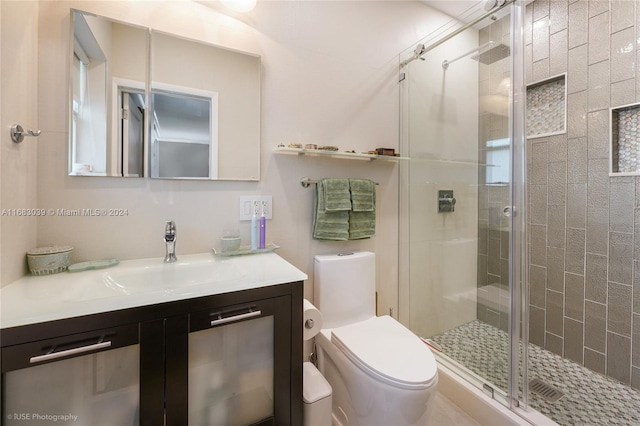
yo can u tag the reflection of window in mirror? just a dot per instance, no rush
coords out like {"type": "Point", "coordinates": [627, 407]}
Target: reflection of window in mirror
{"type": "Point", "coordinates": [88, 102]}
{"type": "Point", "coordinates": [184, 137]}
{"type": "Point", "coordinates": [498, 153]}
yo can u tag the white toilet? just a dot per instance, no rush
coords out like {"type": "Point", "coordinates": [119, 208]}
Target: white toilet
{"type": "Point", "coordinates": [380, 372]}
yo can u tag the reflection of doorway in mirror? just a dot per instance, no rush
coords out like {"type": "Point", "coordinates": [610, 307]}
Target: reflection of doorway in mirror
{"type": "Point", "coordinates": [126, 157]}
{"type": "Point", "coordinates": [132, 125]}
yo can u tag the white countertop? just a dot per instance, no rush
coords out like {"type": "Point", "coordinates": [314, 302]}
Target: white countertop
{"type": "Point", "coordinates": [135, 283]}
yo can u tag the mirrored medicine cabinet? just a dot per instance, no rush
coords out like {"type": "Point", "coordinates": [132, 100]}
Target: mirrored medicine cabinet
{"type": "Point", "coordinates": [148, 103]}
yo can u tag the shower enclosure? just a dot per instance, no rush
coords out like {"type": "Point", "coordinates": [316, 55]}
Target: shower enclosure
{"type": "Point", "coordinates": [511, 269]}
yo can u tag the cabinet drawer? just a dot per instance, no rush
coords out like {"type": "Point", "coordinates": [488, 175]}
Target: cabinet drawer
{"type": "Point", "coordinates": [56, 349]}
{"type": "Point", "coordinates": [217, 317]}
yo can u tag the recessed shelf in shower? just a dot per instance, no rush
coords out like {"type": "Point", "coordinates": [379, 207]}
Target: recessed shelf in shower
{"type": "Point", "coordinates": [625, 140]}
{"type": "Point", "coordinates": [547, 107]}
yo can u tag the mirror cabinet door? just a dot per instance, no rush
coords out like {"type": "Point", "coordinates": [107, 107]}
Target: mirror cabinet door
{"type": "Point", "coordinates": [147, 103]}
{"type": "Point", "coordinates": [206, 103]}
{"type": "Point", "coordinates": [108, 103]}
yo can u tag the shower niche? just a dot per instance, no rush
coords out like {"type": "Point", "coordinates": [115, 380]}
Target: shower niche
{"type": "Point", "coordinates": [624, 131]}
{"type": "Point", "coordinates": [547, 107]}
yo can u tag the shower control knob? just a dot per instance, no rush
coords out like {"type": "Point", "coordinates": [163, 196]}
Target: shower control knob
{"type": "Point", "coordinates": [446, 201]}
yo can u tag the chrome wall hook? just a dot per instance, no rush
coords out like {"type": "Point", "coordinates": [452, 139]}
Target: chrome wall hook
{"type": "Point", "coordinates": [18, 133]}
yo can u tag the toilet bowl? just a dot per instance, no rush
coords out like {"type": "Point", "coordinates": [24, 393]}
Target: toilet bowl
{"type": "Point", "coordinates": [380, 372]}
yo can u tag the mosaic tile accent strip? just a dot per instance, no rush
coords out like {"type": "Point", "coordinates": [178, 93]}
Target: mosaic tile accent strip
{"type": "Point", "coordinates": [626, 129]}
{"type": "Point", "coordinates": [590, 398]}
{"type": "Point", "coordinates": [546, 108]}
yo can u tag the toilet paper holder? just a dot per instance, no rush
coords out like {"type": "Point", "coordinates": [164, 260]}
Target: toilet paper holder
{"type": "Point", "coordinates": [312, 320]}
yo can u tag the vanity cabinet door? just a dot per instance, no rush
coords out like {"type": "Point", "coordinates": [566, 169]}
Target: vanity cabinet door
{"type": "Point", "coordinates": [89, 378]}
{"type": "Point", "coordinates": [239, 364]}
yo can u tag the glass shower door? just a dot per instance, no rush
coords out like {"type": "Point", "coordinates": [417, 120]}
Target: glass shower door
{"type": "Point", "coordinates": [458, 129]}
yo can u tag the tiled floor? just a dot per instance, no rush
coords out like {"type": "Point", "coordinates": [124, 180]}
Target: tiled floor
{"type": "Point", "coordinates": [590, 398]}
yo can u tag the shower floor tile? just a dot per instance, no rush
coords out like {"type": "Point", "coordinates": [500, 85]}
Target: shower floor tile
{"type": "Point", "coordinates": [589, 398]}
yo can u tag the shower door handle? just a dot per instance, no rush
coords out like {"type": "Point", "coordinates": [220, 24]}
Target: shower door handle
{"type": "Point", "coordinates": [509, 211]}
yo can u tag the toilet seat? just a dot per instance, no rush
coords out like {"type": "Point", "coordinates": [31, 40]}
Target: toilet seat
{"type": "Point", "coordinates": [386, 349]}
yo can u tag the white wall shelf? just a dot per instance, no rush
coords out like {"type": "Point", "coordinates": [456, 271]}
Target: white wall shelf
{"type": "Point", "coordinates": [337, 154]}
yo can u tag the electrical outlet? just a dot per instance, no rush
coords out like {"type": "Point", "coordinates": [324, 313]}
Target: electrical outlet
{"type": "Point", "coordinates": [247, 202]}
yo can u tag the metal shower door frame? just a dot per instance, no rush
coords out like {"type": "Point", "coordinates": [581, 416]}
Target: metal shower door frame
{"type": "Point", "coordinates": [518, 252]}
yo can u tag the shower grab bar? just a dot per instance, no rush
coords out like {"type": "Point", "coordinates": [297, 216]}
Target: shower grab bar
{"type": "Point", "coordinates": [424, 49]}
{"type": "Point", "coordinates": [306, 182]}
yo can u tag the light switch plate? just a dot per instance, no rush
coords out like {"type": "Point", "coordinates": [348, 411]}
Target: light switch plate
{"type": "Point", "coordinates": [247, 202]}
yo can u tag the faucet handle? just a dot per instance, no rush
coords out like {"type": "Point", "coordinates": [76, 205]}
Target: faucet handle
{"type": "Point", "coordinates": [170, 230]}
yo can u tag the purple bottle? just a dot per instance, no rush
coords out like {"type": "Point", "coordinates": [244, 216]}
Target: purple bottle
{"type": "Point", "coordinates": [263, 228]}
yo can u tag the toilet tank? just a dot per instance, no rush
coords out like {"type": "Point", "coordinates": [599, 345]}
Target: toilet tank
{"type": "Point", "coordinates": [345, 287]}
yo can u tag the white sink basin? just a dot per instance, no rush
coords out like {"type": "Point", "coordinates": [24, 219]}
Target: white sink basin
{"type": "Point", "coordinates": [170, 276]}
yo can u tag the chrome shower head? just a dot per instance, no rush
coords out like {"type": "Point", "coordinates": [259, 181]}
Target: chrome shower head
{"type": "Point", "coordinates": [487, 54]}
{"type": "Point", "coordinates": [493, 54]}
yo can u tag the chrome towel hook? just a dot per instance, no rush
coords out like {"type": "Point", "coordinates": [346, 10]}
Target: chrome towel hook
{"type": "Point", "coordinates": [18, 133]}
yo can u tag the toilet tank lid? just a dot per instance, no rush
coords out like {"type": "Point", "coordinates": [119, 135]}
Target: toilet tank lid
{"type": "Point", "coordinates": [314, 386]}
{"type": "Point", "coordinates": [342, 255]}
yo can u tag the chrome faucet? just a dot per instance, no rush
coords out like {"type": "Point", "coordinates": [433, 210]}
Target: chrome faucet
{"type": "Point", "coordinates": [170, 241]}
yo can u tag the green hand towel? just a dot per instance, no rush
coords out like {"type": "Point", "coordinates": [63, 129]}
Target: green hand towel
{"type": "Point", "coordinates": [362, 219]}
{"type": "Point", "coordinates": [363, 192]}
{"type": "Point", "coordinates": [336, 194]}
{"type": "Point", "coordinates": [328, 225]}
{"type": "Point", "coordinates": [362, 225]}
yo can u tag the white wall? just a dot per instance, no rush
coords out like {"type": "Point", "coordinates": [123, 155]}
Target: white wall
{"type": "Point", "coordinates": [19, 70]}
{"type": "Point", "coordinates": [329, 77]}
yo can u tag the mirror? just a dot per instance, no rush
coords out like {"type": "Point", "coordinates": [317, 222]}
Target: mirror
{"type": "Point", "coordinates": [108, 66]}
{"type": "Point", "coordinates": [194, 113]}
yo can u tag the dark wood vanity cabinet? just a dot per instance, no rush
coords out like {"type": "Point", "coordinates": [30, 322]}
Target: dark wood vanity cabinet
{"type": "Point", "coordinates": [157, 364]}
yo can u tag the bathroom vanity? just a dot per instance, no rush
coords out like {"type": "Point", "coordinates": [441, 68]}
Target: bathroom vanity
{"type": "Point", "coordinates": [205, 340]}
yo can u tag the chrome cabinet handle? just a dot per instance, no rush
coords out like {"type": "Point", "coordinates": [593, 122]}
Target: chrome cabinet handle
{"type": "Point", "coordinates": [74, 351]}
{"type": "Point", "coordinates": [235, 318]}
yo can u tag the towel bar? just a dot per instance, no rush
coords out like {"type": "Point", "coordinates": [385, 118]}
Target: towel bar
{"type": "Point", "coordinates": [306, 182]}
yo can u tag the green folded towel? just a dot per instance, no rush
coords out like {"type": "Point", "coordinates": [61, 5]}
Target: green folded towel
{"type": "Point", "coordinates": [363, 193]}
{"type": "Point", "coordinates": [362, 225]}
{"type": "Point", "coordinates": [337, 196]}
{"type": "Point", "coordinates": [328, 225]}
{"type": "Point", "coordinates": [362, 219]}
